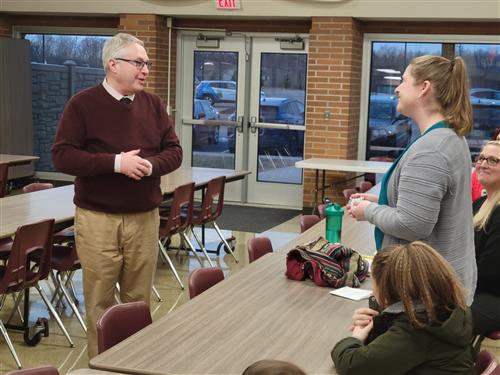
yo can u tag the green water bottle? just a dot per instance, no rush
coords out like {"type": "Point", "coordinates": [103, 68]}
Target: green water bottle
{"type": "Point", "coordinates": [334, 213]}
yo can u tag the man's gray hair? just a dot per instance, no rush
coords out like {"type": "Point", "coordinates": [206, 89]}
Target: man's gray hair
{"type": "Point", "coordinates": [113, 47]}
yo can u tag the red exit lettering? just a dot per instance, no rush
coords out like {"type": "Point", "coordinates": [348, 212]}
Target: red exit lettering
{"type": "Point", "coordinates": [228, 4]}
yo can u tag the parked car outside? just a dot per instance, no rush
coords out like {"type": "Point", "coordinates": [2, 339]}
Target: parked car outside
{"type": "Point", "coordinates": [282, 110]}
{"type": "Point", "coordinates": [387, 127]}
{"type": "Point", "coordinates": [484, 96]}
{"type": "Point", "coordinates": [216, 91]}
{"type": "Point", "coordinates": [204, 134]}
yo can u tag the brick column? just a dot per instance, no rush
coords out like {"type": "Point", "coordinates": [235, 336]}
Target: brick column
{"type": "Point", "coordinates": [5, 27]}
{"type": "Point", "coordinates": [153, 31]}
{"type": "Point", "coordinates": [334, 83]}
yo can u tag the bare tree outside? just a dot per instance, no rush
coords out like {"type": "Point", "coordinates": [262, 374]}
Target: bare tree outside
{"type": "Point", "coordinates": [84, 50]}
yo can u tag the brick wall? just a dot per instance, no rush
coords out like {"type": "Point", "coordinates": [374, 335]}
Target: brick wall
{"type": "Point", "coordinates": [334, 81]}
{"type": "Point", "coordinates": [153, 31]}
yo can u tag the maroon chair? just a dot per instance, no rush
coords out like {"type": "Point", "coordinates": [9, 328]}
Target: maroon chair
{"type": "Point", "coordinates": [321, 210]}
{"type": "Point", "coordinates": [121, 321]}
{"type": "Point", "coordinates": [48, 370]}
{"type": "Point", "coordinates": [65, 261]}
{"type": "Point", "coordinates": [210, 210]}
{"type": "Point", "coordinates": [31, 241]}
{"type": "Point", "coordinates": [307, 221]}
{"type": "Point", "coordinates": [178, 220]}
{"type": "Point", "coordinates": [257, 247]}
{"type": "Point", "coordinates": [486, 364]}
{"type": "Point", "coordinates": [4, 171]}
{"type": "Point", "coordinates": [200, 279]}
{"type": "Point", "coordinates": [364, 186]}
{"type": "Point", "coordinates": [37, 186]}
{"type": "Point", "coordinates": [348, 192]}
{"type": "Point", "coordinates": [478, 340]}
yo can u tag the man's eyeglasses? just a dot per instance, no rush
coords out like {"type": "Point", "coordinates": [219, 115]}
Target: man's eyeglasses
{"type": "Point", "coordinates": [139, 64]}
{"type": "Point", "coordinates": [491, 161]}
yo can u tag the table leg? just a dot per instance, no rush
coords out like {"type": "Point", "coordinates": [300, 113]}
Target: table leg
{"type": "Point", "coordinates": [316, 193]}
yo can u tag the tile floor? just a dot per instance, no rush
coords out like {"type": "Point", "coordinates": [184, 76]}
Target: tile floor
{"type": "Point", "coordinates": [54, 350]}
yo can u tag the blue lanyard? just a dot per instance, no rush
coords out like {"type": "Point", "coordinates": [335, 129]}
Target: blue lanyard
{"type": "Point", "coordinates": [382, 198]}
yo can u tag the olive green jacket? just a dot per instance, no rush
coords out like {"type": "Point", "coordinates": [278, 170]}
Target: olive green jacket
{"type": "Point", "coordinates": [403, 349]}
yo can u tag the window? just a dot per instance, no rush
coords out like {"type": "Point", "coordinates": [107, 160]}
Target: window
{"type": "Point", "coordinates": [61, 65]}
{"type": "Point", "coordinates": [388, 132]}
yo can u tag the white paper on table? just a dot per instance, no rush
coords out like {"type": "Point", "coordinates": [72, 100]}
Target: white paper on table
{"type": "Point", "coordinates": [355, 294]}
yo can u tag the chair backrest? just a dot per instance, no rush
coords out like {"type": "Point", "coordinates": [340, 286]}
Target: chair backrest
{"type": "Point", "coordinates": [30, 239]}
{"type": "Point", "coordinates": [213, 201]}
{"type": "Point", "coordinates": [257, 247]}
{"type": "Point", "coordinates": [321, 210]}
{"type": "Point", "coordinates": [307, 221]}
{"type": "Point", "coordinates": [364, 186]}
{"type": "Point", "coordinates": [201, 279]}
{"type": "Point", "coordinates": [486, 364]}
{"type": "Point", "coordinates": [48, 370]}
{"type": "Point", "coordinates": [181, 211]}
{"type": "Point", "coordinates": [37, 186]}
{"type": "Point", "coordinates": [495, 335]}
{"type": "Point", "coordinates": [348, 192]}
{"type": "Point", "coordinates": [4, 171]}
{"type": "Point", "coordinates": [121, 321]}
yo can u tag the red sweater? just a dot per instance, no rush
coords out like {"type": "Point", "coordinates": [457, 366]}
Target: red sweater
{"type": "Point", "coordinates": [94, 127]}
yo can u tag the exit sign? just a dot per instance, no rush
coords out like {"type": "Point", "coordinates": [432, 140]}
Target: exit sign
{"type": "Point", "coordinates": [228, 4]}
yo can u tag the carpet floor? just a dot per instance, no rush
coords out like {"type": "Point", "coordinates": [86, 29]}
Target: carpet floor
{"type": "Point", "coordinates": [253, 219]}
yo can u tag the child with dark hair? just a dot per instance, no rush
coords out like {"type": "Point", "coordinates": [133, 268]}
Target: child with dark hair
{"type": "Point", "coordinates": [424, 326]}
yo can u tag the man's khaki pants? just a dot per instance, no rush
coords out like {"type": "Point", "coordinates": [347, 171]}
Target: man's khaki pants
{"type": "Point", "coordinates": [115, 248]}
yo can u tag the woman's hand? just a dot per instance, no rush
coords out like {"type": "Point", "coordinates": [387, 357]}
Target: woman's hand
{"type": "Point", "coordinates": [361, 333]}
{"type": "Point", "coordinates": [357, 209]}
{"type": "Point", "coordinates": [362, 317]}
{"type": "Point", "coordinates": [366, 197]}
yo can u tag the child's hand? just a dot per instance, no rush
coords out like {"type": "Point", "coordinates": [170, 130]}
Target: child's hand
{"type": "Point", "coordinates": [361, 333]}
{"type": "Point", "coordinates": [362, 317]}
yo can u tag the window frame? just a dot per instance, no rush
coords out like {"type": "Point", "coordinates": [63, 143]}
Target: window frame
{"type": "Point", "coordinates": [368, 38]}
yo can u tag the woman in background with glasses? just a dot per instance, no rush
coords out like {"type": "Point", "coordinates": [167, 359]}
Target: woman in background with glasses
{"type": "Point", "coordinates": [486, 305]}
{"type": "Point", "coordinates": [477, 188]}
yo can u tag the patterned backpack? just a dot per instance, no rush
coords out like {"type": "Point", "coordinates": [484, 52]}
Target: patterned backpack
{"type": "Point", "coordinates": [326, 264]}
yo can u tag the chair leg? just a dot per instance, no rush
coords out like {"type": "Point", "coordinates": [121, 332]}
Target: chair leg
{"type": "Point", "coordinates": [224, 241]}
{"type": "Point", "coordinates": [9, 344]}
{"type": "Point", "coordinates": [17, 302]}
{"type": "Point", "coordinates": [172, 267]}
{"type": "Point", "coordinates": [70, 301]}
{"type": "Point", "coordinates": [54, 314]}
{"type": "Point", "coordinates": [155, 292]}
{"type": "Point", "coordinates": [183, 235]}
{"type": "Point", "coordinates": [202, 247]}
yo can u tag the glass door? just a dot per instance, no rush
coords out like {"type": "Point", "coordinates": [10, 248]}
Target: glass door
{"type": "Point", "coordinates": [242, 107]}
{"type": "Point", "coordinates": [277, 120]}
{"type": "Point", "coordinates": [212, 76]}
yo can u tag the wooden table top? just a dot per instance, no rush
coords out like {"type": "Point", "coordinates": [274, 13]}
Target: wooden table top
{"type": "Point", "coordinates": [17, 159]}
{"type": "Point", "coordinates": [255, 314]}
{"type": "Point", "coordinates": [200, 176]}
{"type": "Point", "coordinates": [57, 203]}
{"type": "Point", "coordinates": [341, 165]}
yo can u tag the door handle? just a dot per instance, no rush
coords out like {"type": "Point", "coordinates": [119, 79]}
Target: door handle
{"type": "Point", "coordinates": [251, 124]}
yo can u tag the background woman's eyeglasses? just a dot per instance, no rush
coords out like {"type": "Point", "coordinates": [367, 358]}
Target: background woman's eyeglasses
{"type": "Point", "coordinates": [491, 161]}
{"type": "Point", "coordinates": [139, 64]}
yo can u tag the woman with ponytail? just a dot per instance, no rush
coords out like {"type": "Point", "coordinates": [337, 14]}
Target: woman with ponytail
{"type": "Point", "coordinates": [486, 306]}
{"type": "Point", "coordinates": [425, 195]}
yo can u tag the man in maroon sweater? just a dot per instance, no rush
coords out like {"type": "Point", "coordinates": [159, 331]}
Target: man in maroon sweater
{"type": "Point", "coordinates": [118, 141]}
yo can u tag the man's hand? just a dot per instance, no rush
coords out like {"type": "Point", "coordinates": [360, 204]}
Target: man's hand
{"type": "Point", "coordinates": [134, 166]}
